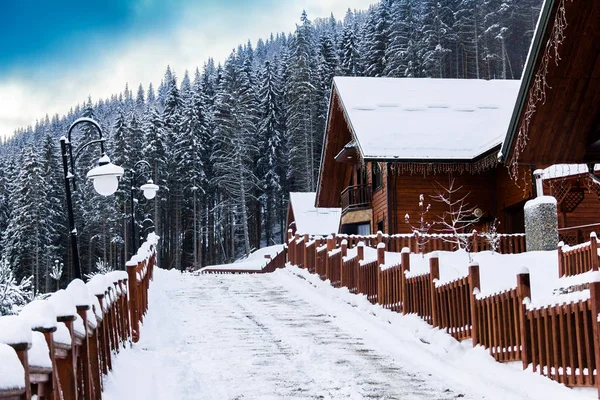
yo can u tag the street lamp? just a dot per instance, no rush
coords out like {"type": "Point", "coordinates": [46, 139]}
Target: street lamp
{"type": "Point", "coordinates": [149, 190]}
{"type": "Point", "coordinates": [105, 178]}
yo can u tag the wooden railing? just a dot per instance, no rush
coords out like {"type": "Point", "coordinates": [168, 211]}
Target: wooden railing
{"type": "Point", "coordinates": [561, 341]}
{"type": "Point", "coordinates": [506, 243]}
{"type": "Point", "coordinates": [276, 262]}
{"type": "Point", "coordinates": [356, 197]}
{"type": "Point", "coordinates": [578, 259]}
{"type": "Point", "coordinates": [577, 234]}
{"type": "Point", "coordinates": [498, 321]}
{"type": "Point", "coordinates": [75, 333]}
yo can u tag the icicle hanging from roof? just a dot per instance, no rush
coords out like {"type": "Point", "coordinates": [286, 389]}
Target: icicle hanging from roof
{"type": "Point", "coordinates": [537, 92]}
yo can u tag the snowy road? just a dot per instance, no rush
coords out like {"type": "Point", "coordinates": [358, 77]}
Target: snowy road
{"type": "Point", "coordinates": [276, 336]}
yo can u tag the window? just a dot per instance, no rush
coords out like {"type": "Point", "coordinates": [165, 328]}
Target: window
{"type": "Point", "coordinates": [376, 178]}
{"type": "Point", "coordinates": [364, 229]}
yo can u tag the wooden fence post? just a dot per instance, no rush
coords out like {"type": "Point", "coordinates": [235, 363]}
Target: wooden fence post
{"type": "Point", "coordinates": [434, 274]}
{"type": "Point", "coordinates": [474, 283]}
{"type": "Point", "coordinates": [475, 242]}
{"type": "Point", "coordinates": [330, 246]}
{"type": "Point", "coordinates": [86, 371]}
{"type": "Point", "coordinates": [561, 260]}
{"type": "Point", "coordinates": [360, 251]}
{"type": "Point", "coordinates": [594, 251]}
{"type": "Point", "coordinates": [133, 303]}
{"type": "Point", "coordinates": [524, 292]}
{"type": "Point", "coordinates": [379, 275]}
{"type": "Point", "coordinates": [405, 262]}
{"type": "Point", "coordinates": [304, 252]}
{"type": "Point", "coordinates": [595, 308]}
{"type": "Point", "coordinates": [344, 254]}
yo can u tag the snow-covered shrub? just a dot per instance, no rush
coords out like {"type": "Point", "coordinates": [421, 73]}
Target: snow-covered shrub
{"type": "Point", "coordinates": [56, 272]}
{"type": "Point", "coordinates": [13, 295]}
{"type": "Point", "coordinates": [421, 231]}
{"type": "Point", "coordinates": [458, 216]}
{"type": "Point", "coordinates": [102, 268]}
{"type": "Point", "coordinates": [492, 236]}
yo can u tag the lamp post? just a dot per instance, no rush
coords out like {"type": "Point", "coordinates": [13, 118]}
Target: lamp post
{"type": "Point", "coordinates": [149, 189]}
{"type": "Point", "coordinates": [105, 178]}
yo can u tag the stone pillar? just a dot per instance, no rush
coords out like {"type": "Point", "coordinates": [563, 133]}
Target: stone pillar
{"type": "Point", "coordinates": [541, 223]}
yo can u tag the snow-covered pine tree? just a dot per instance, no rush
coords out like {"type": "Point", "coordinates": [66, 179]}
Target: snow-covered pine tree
{"type": "Point", "coordinates": [437, 36]}
{"type": "Point", "coordinates": [14, 294]}
{"type": "Point", "coordinates": [301, 93]}
{"type": "Point", "coordinates": [377, 38]}
{"type": "Point", "coordinates": [270, 142]}
{"type": "Point", "coordinates": [22, 240]}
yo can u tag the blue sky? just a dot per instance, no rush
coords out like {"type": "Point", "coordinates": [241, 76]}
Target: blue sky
{"type": "Point", "coordinates": [53, 54]}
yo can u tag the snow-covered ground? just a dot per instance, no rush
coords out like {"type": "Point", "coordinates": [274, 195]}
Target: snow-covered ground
{"type": "Point", "coordinates": [290, 335]}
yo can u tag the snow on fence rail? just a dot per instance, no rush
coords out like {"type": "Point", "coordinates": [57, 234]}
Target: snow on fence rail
{"type": "Point", "coordinates": [560, 340]}
{"type": "Point", "coordinates": [60, 347]}
{"type": "Point", "coordinates": [578, 259]}
{"type": "Point", "coordinates": [504, 243]}
{"type": "Point", "coordinates": [271, 258]}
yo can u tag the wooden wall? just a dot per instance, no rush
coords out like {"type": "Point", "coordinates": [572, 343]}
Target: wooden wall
{"type": "Point", "coordinates": [480, 190]}
{"type": "Point", "coordinates": [380, 198]}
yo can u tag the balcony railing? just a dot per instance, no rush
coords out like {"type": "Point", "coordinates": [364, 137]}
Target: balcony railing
{"type": "Point", "coordinates": [354, 197]}
{"type": "Point", "coordinates": [577, 234]}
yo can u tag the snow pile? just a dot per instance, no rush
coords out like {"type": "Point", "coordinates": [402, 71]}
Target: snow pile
{"type": "Point", "coordinates": [78, 327]}
{"type": "Point", "coordinates": [540, 200]}
{"type": "Point", "coordinates": [63, 304]}
{"type": "Point", "coordinates": [39, 314]}
{"type": "Point", "coordinates": [98, 285]}
{"type": "Point", "coordinates": [12, 373]}
{"type": "Point", "coordinates": [14, 330]}
{"type": "Point", "coordinates": [62, 334]}
{"type": "Point", "coordinates": [79, 293]}
{"type": "Point", "coordinates": [39, 354]}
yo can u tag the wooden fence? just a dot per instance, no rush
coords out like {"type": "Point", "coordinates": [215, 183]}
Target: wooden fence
{"type": "Point", "coordinates": [506, 243]}
{"type": "Point", "coordinates": [578, 259]}
{"type": "Point", "coordinates": [75, 333]}
{"type": "Point", "coordinates": [560, 341]}
{"type": "Point", "coordinates": [271, 264]}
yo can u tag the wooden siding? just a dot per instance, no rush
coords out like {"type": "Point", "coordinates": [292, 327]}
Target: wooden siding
{"type": "Point", "coordinates": [480, 188]}
{"type": "Point", "coordinates": [379, 202]}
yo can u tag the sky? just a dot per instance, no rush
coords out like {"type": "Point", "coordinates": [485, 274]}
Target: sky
{"type": "Point", "coordinates": [54, 54]}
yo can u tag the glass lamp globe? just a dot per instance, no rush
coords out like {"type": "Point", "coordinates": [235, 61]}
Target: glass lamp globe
{"type": "Point", "coordinates": [105, 176]}
{"type": "Point", "coordinates": [149, 189]}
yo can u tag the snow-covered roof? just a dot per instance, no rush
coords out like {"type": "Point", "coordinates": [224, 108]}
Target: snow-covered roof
{"type": "Point", "coordinates": [312, 220]}
{"type": "Point", "coordinates": [422, 118]}
{"type": "Point", "coordinates": [564, 170]}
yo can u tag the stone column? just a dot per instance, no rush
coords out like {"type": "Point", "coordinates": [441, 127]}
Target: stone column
{"type": "Point", "coordinates": [541, 224]}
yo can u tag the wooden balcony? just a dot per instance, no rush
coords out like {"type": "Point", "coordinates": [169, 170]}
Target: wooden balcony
{"type": "Point", "coordinates": [577, 234]}
{"type": "Point", "coordinates": [356, 197]}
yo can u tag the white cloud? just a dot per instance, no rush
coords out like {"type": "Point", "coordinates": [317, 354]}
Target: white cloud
{"type": "Point", "coordinates": [200, 34]}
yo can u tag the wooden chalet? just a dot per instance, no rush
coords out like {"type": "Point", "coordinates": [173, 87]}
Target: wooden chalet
{"type": "Point", "coordinates": [556, 119]}
{"type": "Point", "coordinates": [388, 140]}
{"type": "Point", "coordinates": [303, 217]}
